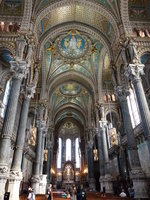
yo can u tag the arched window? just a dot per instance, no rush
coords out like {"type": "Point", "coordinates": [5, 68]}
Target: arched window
{"type": "Point", "coordinates": [77, 153]}
{"type": "Point", "coordinates": [133, 108]}
{"type": "Point", "coordinates": [5, 98]}
{"type": "Point", "coordinates": [68, 149]}
{"type": "Point", "coordinates": [59, 154]}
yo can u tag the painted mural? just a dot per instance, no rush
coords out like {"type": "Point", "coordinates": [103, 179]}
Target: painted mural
{"type": "Point", "coordinates": [70, 89]}
{"type": "Point", "coordinates": [139, 10]}
{"type": "Point", "coordinates": [73, 45]}
{"type": "Point", "coordinates": [10, 7]}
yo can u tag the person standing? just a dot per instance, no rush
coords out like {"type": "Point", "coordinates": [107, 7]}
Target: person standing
{"type": "Point", "coordinates": [31, 195]}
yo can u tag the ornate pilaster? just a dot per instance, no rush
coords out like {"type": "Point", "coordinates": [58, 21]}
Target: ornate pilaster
{"type": "Point", "coordinates": [134, 72]}
{"type": "Point", "coordinates": [15, 172]}
{"type": "Point", "coordinates": [122, 94]}
{"type": "Point", "coordinates": [105, 181]}
{"type": "Point", "coordinates": [19, 71]}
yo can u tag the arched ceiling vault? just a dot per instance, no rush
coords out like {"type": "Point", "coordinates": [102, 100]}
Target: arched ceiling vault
{"type": "Point", "coordinates": [70, 109]}
{"type": "Point", "coordinates": [59, 125]}
{"type": "Point", "coordinates": [83, 28]}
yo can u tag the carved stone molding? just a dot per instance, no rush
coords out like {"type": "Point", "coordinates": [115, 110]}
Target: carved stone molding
{"type": "Point", "coordinates": [25, 25]}
{"type": "Point", "coordinates": [125, 18]}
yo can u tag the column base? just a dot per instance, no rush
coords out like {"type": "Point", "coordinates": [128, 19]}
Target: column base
{"type": "Point", "coordinates": [101, 181]}
{"type": "Point", "coordinates": [108, 183]}
{"type": "Point", "coordinates": [92, 184]}
{"type": "Point", "coordinates": [43, 183]}
{"type": "Point", "coordinates": [139, 183]}
{"type": "Point", "coordinates": [14, 184]}
{"type": "Point", "coordinates": [35, 183]}
{"type": "Point", "coordinates": [3, 179]}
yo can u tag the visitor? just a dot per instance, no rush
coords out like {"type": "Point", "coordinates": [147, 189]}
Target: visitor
{"type": "Point", "coordinates": [74, 193]}
{"type": "Point", "coordinates": [103, 192]}
{"type": "Point", "coordinates": [131, 192]}
{"type": "Point", "coordinates": [83, 195]}
{"type": "Point", "coordinates": [68, 194]}
{"type": "Point", "coordinates": [122, 194]}
{"type": "Point", "coordinates": [49, 191]}
{"type": "Point", "coordinates": [31, 195]}
{"type": "Point", "coordinates": [79, 193]}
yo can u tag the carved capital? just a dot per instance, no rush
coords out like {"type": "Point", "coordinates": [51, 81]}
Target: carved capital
{"type": "Point", "coordinates": [3, 170]}
{"type": "Point", "coordinates": [121, 93]}
{"type": "Point", "coordinates": [29, 92]}
{"type": "Point", "coordinates": [134, 71]}
{"type": "Point", "coordinates": [102, 124]}
{"type": "Point", "coordinates": [18, 69]}
{"type": "Point", "coordinates": [90, 144]}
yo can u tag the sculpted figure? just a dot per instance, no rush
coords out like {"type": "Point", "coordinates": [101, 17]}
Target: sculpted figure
{"type": "Point", "coordinates": [20, 46]}
{"type": "Point", "coordinates": [29, 54]}
{"type": "Point", "coordinates": [132, 52]}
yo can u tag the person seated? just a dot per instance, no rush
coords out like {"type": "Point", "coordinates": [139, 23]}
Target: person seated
{"type": "Point", "coordinates": [68, 195]}
{"type": "Point", "coordinates": [122, 194]}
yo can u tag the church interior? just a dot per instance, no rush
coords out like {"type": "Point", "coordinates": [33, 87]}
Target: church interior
{"type": "Point", "coordinates": [74, 96]}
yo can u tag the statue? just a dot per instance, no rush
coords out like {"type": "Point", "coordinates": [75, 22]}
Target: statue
{"type": "Point", "coordinates": [132, 52]}
{"type": "Point", "coordinates": [101, 109]}
{"type": "Point", "coordinates": [29, 55]}
{"type": "Point", "coordinates": [128, 52]}
{"type": "Point", "coordinates": [20, 46]}
{"type": "Point", "coordinates": [114, 75]}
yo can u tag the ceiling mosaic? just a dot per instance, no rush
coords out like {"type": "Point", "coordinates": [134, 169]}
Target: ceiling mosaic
{"type": "Point", "coordinates": [73, 45]}
{"type": "Point", "coordinates": [79, 14]}
{"type": "Point", "coordinates": [70, 93]}
{"type": "Point", "coordinates": [67, 114]}
{"type": "Point", "coordinates": [72, 52]}
{"type": "Point", "coordinates": [111, 5]}
{"type": "Point", "coordinates": [11, 7]}
{"type": "Point", "coordinates": [139, 10]}
{"type": "Point", "coordinates": [70, 89]}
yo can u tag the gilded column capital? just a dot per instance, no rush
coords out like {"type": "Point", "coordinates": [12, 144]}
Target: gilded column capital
{"type": "Point", "coordinates": [134, 72]}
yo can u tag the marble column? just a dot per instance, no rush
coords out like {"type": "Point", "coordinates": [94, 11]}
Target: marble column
{"type": "Point", "coordinates": [137, 175]}
{"type": "Point", "coordinates": [91, 165]}
{"type": "Point", "coordinates": [100, 158]}
{"type": "Point", "coordinates": [49, 161]}
{"type": "Point", "coordinates": [107, 181]}
{"type": "Point", "coordinates": [36, 172]}
{"type": "Point", "coordinates": [134, 72]}
{"type": "Point", "coordinates": [18, 70]}
{"type": "Point", "coordinates": [15, 172]}
{"type": "Point", "coordinates": [42, 151]}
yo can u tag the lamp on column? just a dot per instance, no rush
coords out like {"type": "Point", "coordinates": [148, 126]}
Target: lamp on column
{"type": "Point", "coordinates": [113, 137]}
{"type": "Point", "coordinates": [33, 130]}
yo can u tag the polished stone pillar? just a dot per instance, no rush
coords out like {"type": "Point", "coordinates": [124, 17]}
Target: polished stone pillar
{"type": "Point", "coordinates": [15, 172]}
{"type": "Point", "coordinates": [36, 171]}
{"type": "Point", "coordinates": [134, 72]}
{"type": "Point", "coordinates": [100, 158]}
{"type": "Point", "coordinates": [91, 165]}
{"type": "Point", "coordinates": [42, 151]}
{"type": "Point", "coordinates": [19, 71]}
{"type": "Point", "coordinates": [107, 181]}
{"type": "Point", "coordinates": [137, 175]}
{"type": "Point", "coordinates": [49, 161]}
